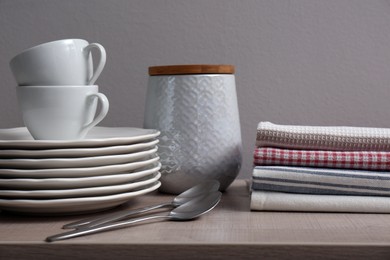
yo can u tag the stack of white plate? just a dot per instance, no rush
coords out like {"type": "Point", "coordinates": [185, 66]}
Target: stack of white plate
{"type": "Point", "coordinates": [109, 167]}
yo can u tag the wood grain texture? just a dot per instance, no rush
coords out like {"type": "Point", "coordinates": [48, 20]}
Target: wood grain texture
{"type": "Point", "coordinates": [191, 69]}
{"type": "Point", "coordinates": [231, 231]}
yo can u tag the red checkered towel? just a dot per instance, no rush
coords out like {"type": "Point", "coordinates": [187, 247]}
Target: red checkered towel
{"type": "Point", "coordinates": [364, 160]}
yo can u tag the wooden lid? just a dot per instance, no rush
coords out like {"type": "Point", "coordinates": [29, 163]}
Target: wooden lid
{"type": "Point", "coordinates": [191, 69]}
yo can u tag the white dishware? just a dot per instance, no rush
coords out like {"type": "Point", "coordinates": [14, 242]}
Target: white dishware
{"type": "Point", "coordinates": [76, 172]}
{"type": "Point", "coordinates": [80, 192]}
{"type": "Point", "coordinates": [61, 112]}
{"type": "Point", "coordinates": [78, 182]}
{"type": "Point", "coordinates": [57, 177]}
{"type": "Point", "coordinates": [61, 62]}
{"type": "Point", "coordinates": [55, 163]}
{"type": "Point", "coordinates": [20, 138]}
{"type": "Point", "coordinates": [72, 205]}
{"type": "Point", "coordinates": [76, 152]}
{"type": "Point", "coordinates": [195, 109]}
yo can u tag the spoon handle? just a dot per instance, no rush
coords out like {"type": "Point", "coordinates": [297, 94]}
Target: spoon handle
{"type": "Point", "coordinates": [105, 227]}
{"type": "Point", "coordinates": [124, 214]}
{"type": "Point", "coordinates": [95, 221]}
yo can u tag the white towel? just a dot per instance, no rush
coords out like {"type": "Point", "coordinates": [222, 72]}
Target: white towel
{"type": "Point", "coordinates": [278, 201]}
{"type": "Point", "coordinates": [344, 138]}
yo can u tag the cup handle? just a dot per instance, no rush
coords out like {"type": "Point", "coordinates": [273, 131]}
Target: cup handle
{"type": "Point", "coordinates": [101, 63]}
{"type": "Point", "coordinates": [103, 112]}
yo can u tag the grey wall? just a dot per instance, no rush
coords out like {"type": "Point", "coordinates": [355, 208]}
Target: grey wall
{"type": "Point", "coordinates": [310, 62]}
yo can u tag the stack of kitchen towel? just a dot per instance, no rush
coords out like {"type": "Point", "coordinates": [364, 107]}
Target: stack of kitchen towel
{"type": "Point", "coordinates": [321, 169]}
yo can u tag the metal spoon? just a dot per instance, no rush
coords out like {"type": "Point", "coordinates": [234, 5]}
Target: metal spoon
{"type": "Point", "coordinates": [187, 211]}
{"type": "Point", "coordinates": [196, 191]}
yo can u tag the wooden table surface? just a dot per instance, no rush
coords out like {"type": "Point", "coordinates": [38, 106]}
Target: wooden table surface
{"type": "Point", "coordinates": [230, 231]}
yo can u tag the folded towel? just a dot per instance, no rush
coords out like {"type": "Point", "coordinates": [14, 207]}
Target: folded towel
{"type": "Point", "coordinates": [323, 138]}
{"type": "Point", "coordinates": [320, 181]}
{"type": "Point", "coordinates": [363, 160]}
{"type": "Point", "coordinates": [278, 201]}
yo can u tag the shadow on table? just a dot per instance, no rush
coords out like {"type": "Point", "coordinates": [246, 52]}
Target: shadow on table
{"type": "Point", "coordinates": [236, 197]}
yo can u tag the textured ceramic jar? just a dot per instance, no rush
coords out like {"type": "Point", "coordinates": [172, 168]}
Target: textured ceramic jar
{"type": "Point", "coordinates": [195, 108]}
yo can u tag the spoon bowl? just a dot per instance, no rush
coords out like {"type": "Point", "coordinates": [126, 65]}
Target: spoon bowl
{"type": "Point", "coordinates": [196, 207]}
{"type": "Point", "coordinates": [196, 191]}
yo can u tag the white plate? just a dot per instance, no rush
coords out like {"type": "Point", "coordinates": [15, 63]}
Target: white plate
{"type": "Point", "coordinates": [72, 205]}
{"type": "Point", "coordinates": [77, 152]}
{"type": "Point", "coordinates": [55, 163]}
{"type": "Point", "coordinates": [73, 183]}
{"type": "Point", "coordinates": [76, 172]}
{"type": "Point", "coordinates": [84, 192]}
{"type": "Point", "coordinates": [98, 136]}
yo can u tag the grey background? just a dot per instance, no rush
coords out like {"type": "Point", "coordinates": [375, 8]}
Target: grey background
{"type": "Point", "coordinates": [308, 62]}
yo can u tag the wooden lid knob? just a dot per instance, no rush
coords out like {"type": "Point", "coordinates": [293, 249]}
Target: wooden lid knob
{"type": "Point", "coordinates": [191, 69]}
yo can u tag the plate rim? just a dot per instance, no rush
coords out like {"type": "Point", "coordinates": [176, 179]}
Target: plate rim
{"type": "Point", "coordinates": [47, 207]}
{"type": "Point", "coordinates": [46, 181]}
{"type": "Point", "coordinates": [75, 152]}
{"type": "Point", "coordinates": [46, 163]}
{"type": "Point", "coordinates": [77, 171]}
{"type": "Point", "coordinates": [93, 142]}
{"type": "Point", "coordinates": [82, 192]}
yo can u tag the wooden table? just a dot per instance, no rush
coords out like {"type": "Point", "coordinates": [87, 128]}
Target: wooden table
{"type": "Point", "coordinates": [230, 231]}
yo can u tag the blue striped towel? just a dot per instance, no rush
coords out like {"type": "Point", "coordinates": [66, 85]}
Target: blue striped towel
{"type": "Point", "coordinates": [322, 181]}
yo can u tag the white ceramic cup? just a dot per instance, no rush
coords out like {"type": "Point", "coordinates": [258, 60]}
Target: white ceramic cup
{"type": "Point", "coordinates": [61, 112]}
{"type": "Point", "coordinates": [62, 62]}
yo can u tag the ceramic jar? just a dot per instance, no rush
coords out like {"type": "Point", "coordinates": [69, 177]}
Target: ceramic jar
{"type": "Point", "coordinates": [195, 108]}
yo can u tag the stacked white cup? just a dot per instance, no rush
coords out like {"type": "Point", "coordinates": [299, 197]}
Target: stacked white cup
{"type": "Point", "coordinates": [56, 91]}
